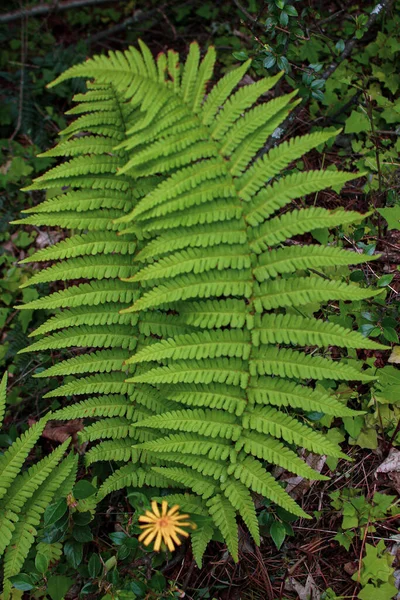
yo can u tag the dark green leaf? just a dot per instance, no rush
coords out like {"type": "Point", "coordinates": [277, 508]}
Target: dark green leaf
{"type": "Point", "coordinates": [283, 64]}
{"type": "Point", "coordinates": [158, 582]}
{"type": "Point", "coordinates": [291, 11]}
{"type": "Point", "coordinates": [390, 334]}
{"type": "Point", "coordinates": [94, 566]}
{"type": "Point", "coordinates": [55, 511]}
{"type": "Point", "coordinates": [22, 582]}
{"type": "Point", "coordinates": [269, 61]}
{"type": "Point", "coordinates": [242, 56]}
{"type": "Point", "coordinates": [118, 537]}
{"type": "Point", "coordinates": [74, 553]}
{"type": "Point", "coordinates": [83, 489]}
{"type": "Point", "coordinates": [82, 533]}
{"type": "Point", "coordinates": [284, 18]}
{"type": "Point", "coordinates": [41, 563]}
{"type": "Point", "coordinates": [58, 586]}
{"type": "Point", "coordinates": [278, 533]}
{"type": "Point", "coordinates": [82, 518]}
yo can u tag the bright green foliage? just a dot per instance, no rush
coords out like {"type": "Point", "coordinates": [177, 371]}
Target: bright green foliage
{"type": "Point", "coordinates": [24, 495]}
{"type": "Point", "coordinates": [188, 262]}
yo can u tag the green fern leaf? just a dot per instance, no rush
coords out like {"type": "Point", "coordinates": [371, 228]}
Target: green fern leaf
{"type": "Point", "coordinates": [103, 406]}
{"type": "Point", "coordinates": [293, 364]}
{"type": "Point", "coordinates": [223, 515]}
{"type": "Point", "coordinates": [203, 422]}
{"type": "Point", "coordinates": [302, 331]}
{"type": "Point", "coordinates": [278, 424]}
{"type": "Point", "coordinates": [254, 476]}
{"type": "Point", "coordinates": [280, 392]}
{"type": "Point", "coordinates": [13, 458]}
{"type": "Point", "coordinates": [289, 259]}
{"type": "Point", "coordinates": [3, 392]}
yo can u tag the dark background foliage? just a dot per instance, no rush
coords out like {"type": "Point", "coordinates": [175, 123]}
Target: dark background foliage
{"type": "Point", "coordinates": [345, 59]}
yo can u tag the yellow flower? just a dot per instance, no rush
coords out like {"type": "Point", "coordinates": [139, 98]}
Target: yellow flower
{"type": "Point", "coordinates": [163, 526]}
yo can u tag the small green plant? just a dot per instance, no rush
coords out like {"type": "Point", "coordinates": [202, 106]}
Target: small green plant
{"type": "Point", "coordinates": [359, 513]}
{"type": "Point", "coordinates": [376, 575]}
{"type": "Point", "coordinates": [25, 495]}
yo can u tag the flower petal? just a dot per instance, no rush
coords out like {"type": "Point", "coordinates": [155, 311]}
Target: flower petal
{"type": "Point", "coordinates": [157, 543]}
{"type": "Point", "coordinates": [155, 509]}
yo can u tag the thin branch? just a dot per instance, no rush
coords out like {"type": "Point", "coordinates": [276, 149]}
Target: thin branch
{"type": "Point", "coordinates": [22, 79]}
{"type": "Point", "coordinates": [379, 9]}
{"type": "Point", "coordinates": [44, 9]}
{"type": "Point", "coordinates": [138, 17]}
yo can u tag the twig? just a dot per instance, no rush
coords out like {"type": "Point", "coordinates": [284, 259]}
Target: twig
{"type": "Point", "coordinates": [22, 80]}
{"type": "Point", "coordinates": [138, 17]}
{"type": "Point", "coordinates": [379, 9]}
{"type": "Point", "coordinates": [247, 14]}
{"type": "Point", "coordinates": [43, 9]}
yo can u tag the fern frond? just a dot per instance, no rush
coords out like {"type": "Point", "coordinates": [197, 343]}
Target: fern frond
{"type": "Point", "coordinates": [274, 452]}
{"type": "Point", "coordinates": [303, 290]}
{"type": "Point", "coordinates": [206, 285]}
{"type": "Point", "coordinates": [280, 425]}
{"type": "Point", "coordinates": [85, 294]}
{"type": "Point", "coordinates": [22, 489]}
{"type": "Point", "coordinates": [240, 498]}
{"type": "Point", "coordinates": [193, 385]}
{"type": "Point", "coordinates": [119, 450]}
{"type": "Point", "coordinates": [83, 245]}
{"type": "Point", "coordinates": [293, 364]}
{"type": "Point", "coordinates": [223, 514]}
{"type": "Point", "coordinates": [215, 395]}
{"type": "Point", "coordinates": [289, 259]}
{"type": "Point", "coordinates": [200, 538]}
{"type": "Point", "coordinates": [91, 337]}
{"type": "Point", "coordinates": [211, 314]}
{"type": "Point", "coordinates": [278, 159]}
{"type": "Point", "coordinates": [203, 486]}
{"type": "Point", "coordinates": [229, 371]}
{"type": "Point", "coordinates": [86, 145]}
{"type": "Point", "coordinates": [85, 221]}
{"type": "Point", "coordinates": [113, 266]}
{"type": "Point", "coordinates": [101, 383]}
{"type": "Point", "coordinates": [113, 405]}
{"type": "Point", "coordinates": [82, 201]}
{"type": "Point", "coordinates": [254, 476]}
{"type": "Point", "coordinates": [96, 315]}
{"type": "Point", "coordinates": [290, 188]}
{"type": "Point", "coordinates": [95, 362]}
{"type": "Point", "coordinates": [281, 392]}
{"type": "Point", "coordinates": [197, 237]}
{"type": "Point", "coordinates": [189, 444]}
{"type": "Point", "coordinates": [132, 475]}
{"type": "Point", "coordinates": [195, 261]}
{"type": "Point", "coordinates": [197, 346]}
{"type": "Point", "coordinates": [203, 422]}
{"type": "Point", "coordinates": [303, 331]}
{"type": "Point", "coordinates": [13, 458]}
{"type": "Point", "coordinates": [3, 391]}
{"type": "Point", "coordinates": [279, 229]}
{"type": "Point", "coordinates": [25, 530]}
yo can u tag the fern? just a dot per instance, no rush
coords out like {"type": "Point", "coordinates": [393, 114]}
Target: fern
{"type": "Point", "coordinates": [26, 494]}
{"type": "Point", "coordinates": [201, 365]}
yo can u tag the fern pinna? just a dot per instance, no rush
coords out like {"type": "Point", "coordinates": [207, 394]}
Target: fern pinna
{"type": "Point", "coordinates": [201, 352]}
{"type": "Point", "coordinates": [24, 496]}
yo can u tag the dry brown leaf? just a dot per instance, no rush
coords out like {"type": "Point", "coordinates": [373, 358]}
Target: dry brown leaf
{"type": "Point", "coordinates": [58, 432]}
{"type": "Point", "coordinates": [395, 356]}
{"type": "Point", "coordinates": [309, 591]}
{"type": "Point", "coordinates": [391, 463]}
{"type": "Point", "coordinates": [391, 466]}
